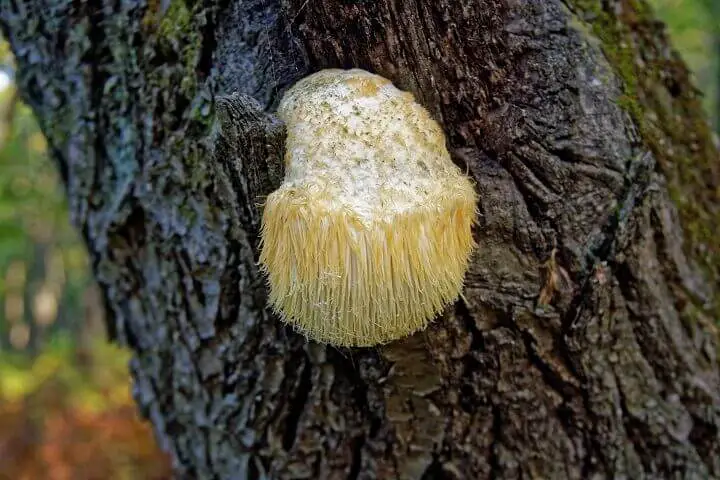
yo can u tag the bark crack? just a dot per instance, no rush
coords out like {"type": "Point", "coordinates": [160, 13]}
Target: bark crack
{"type": "Point", "coordinates": [296, 407]}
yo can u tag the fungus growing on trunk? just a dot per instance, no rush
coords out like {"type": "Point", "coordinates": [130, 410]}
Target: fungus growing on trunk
{"type": "Point", "coordinates": [369, 236]}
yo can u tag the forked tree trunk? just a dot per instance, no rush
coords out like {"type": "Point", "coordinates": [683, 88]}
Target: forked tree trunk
{"type": "Point", "coordinates": [584, 346]}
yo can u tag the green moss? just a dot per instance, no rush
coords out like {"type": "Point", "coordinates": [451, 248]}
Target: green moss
{"type": "Point", "coordinates": [176, 18]}
{"type": "Point", "coordinates": [660, 98]}
{"type": "Point", "coordinates": [612, 36]}
{"type": "Point", "coordinates": [176, 37]}
{"type": "Point", "coordinates": [630, 105]}
{"type": "Point", "coordinates": [178, 34]}
{"type": "Point", "coordinates": [179, 29]}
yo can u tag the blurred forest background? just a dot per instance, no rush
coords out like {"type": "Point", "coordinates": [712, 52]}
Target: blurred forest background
{"type": "Point", "coordinates": [66, 410]}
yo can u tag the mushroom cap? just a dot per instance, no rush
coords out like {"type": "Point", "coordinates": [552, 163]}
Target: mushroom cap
{"type": "Point", "coordinates": [369, 236]}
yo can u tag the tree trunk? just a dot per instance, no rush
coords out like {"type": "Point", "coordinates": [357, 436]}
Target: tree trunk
{"type": "Point", "coordinates": [713, 8]}
{"type": "Point", "coordinates": [585, 343]}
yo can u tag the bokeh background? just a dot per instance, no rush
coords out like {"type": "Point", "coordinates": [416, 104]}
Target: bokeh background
{"type": "Point", "coordinates": [66, 410]}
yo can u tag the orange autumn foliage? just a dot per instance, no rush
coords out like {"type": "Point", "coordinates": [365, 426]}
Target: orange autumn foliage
{"type": "Point", "coordinates": [49, 434]}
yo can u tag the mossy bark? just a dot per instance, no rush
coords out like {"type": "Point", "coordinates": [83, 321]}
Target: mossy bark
{"type": "Point", "coordinates": [585, 344]}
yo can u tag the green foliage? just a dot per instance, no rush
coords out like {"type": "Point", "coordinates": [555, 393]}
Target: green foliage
{"type": "Point", "coordinates": [66, 409]}
{"type": "Point", "coordinates": [694, 27]}
{"type": "Point", "coordinates": [42, 261]}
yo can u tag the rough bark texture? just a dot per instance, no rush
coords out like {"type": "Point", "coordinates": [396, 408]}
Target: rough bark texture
{"type": "Point", "coordinates": [585, 344]}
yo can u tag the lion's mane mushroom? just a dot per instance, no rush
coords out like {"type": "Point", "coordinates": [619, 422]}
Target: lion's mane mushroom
{"type": "Point", "coordinates": [369, 236]}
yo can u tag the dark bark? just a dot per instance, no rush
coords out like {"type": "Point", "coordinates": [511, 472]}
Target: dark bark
{"type": "Point", "coordinates": [713, 8]}
{"type": "Point", "coordinates": [585, 345]}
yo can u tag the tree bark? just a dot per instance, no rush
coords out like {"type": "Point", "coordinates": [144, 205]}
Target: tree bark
{"type": "Point", "coordinates": [585, 344]}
